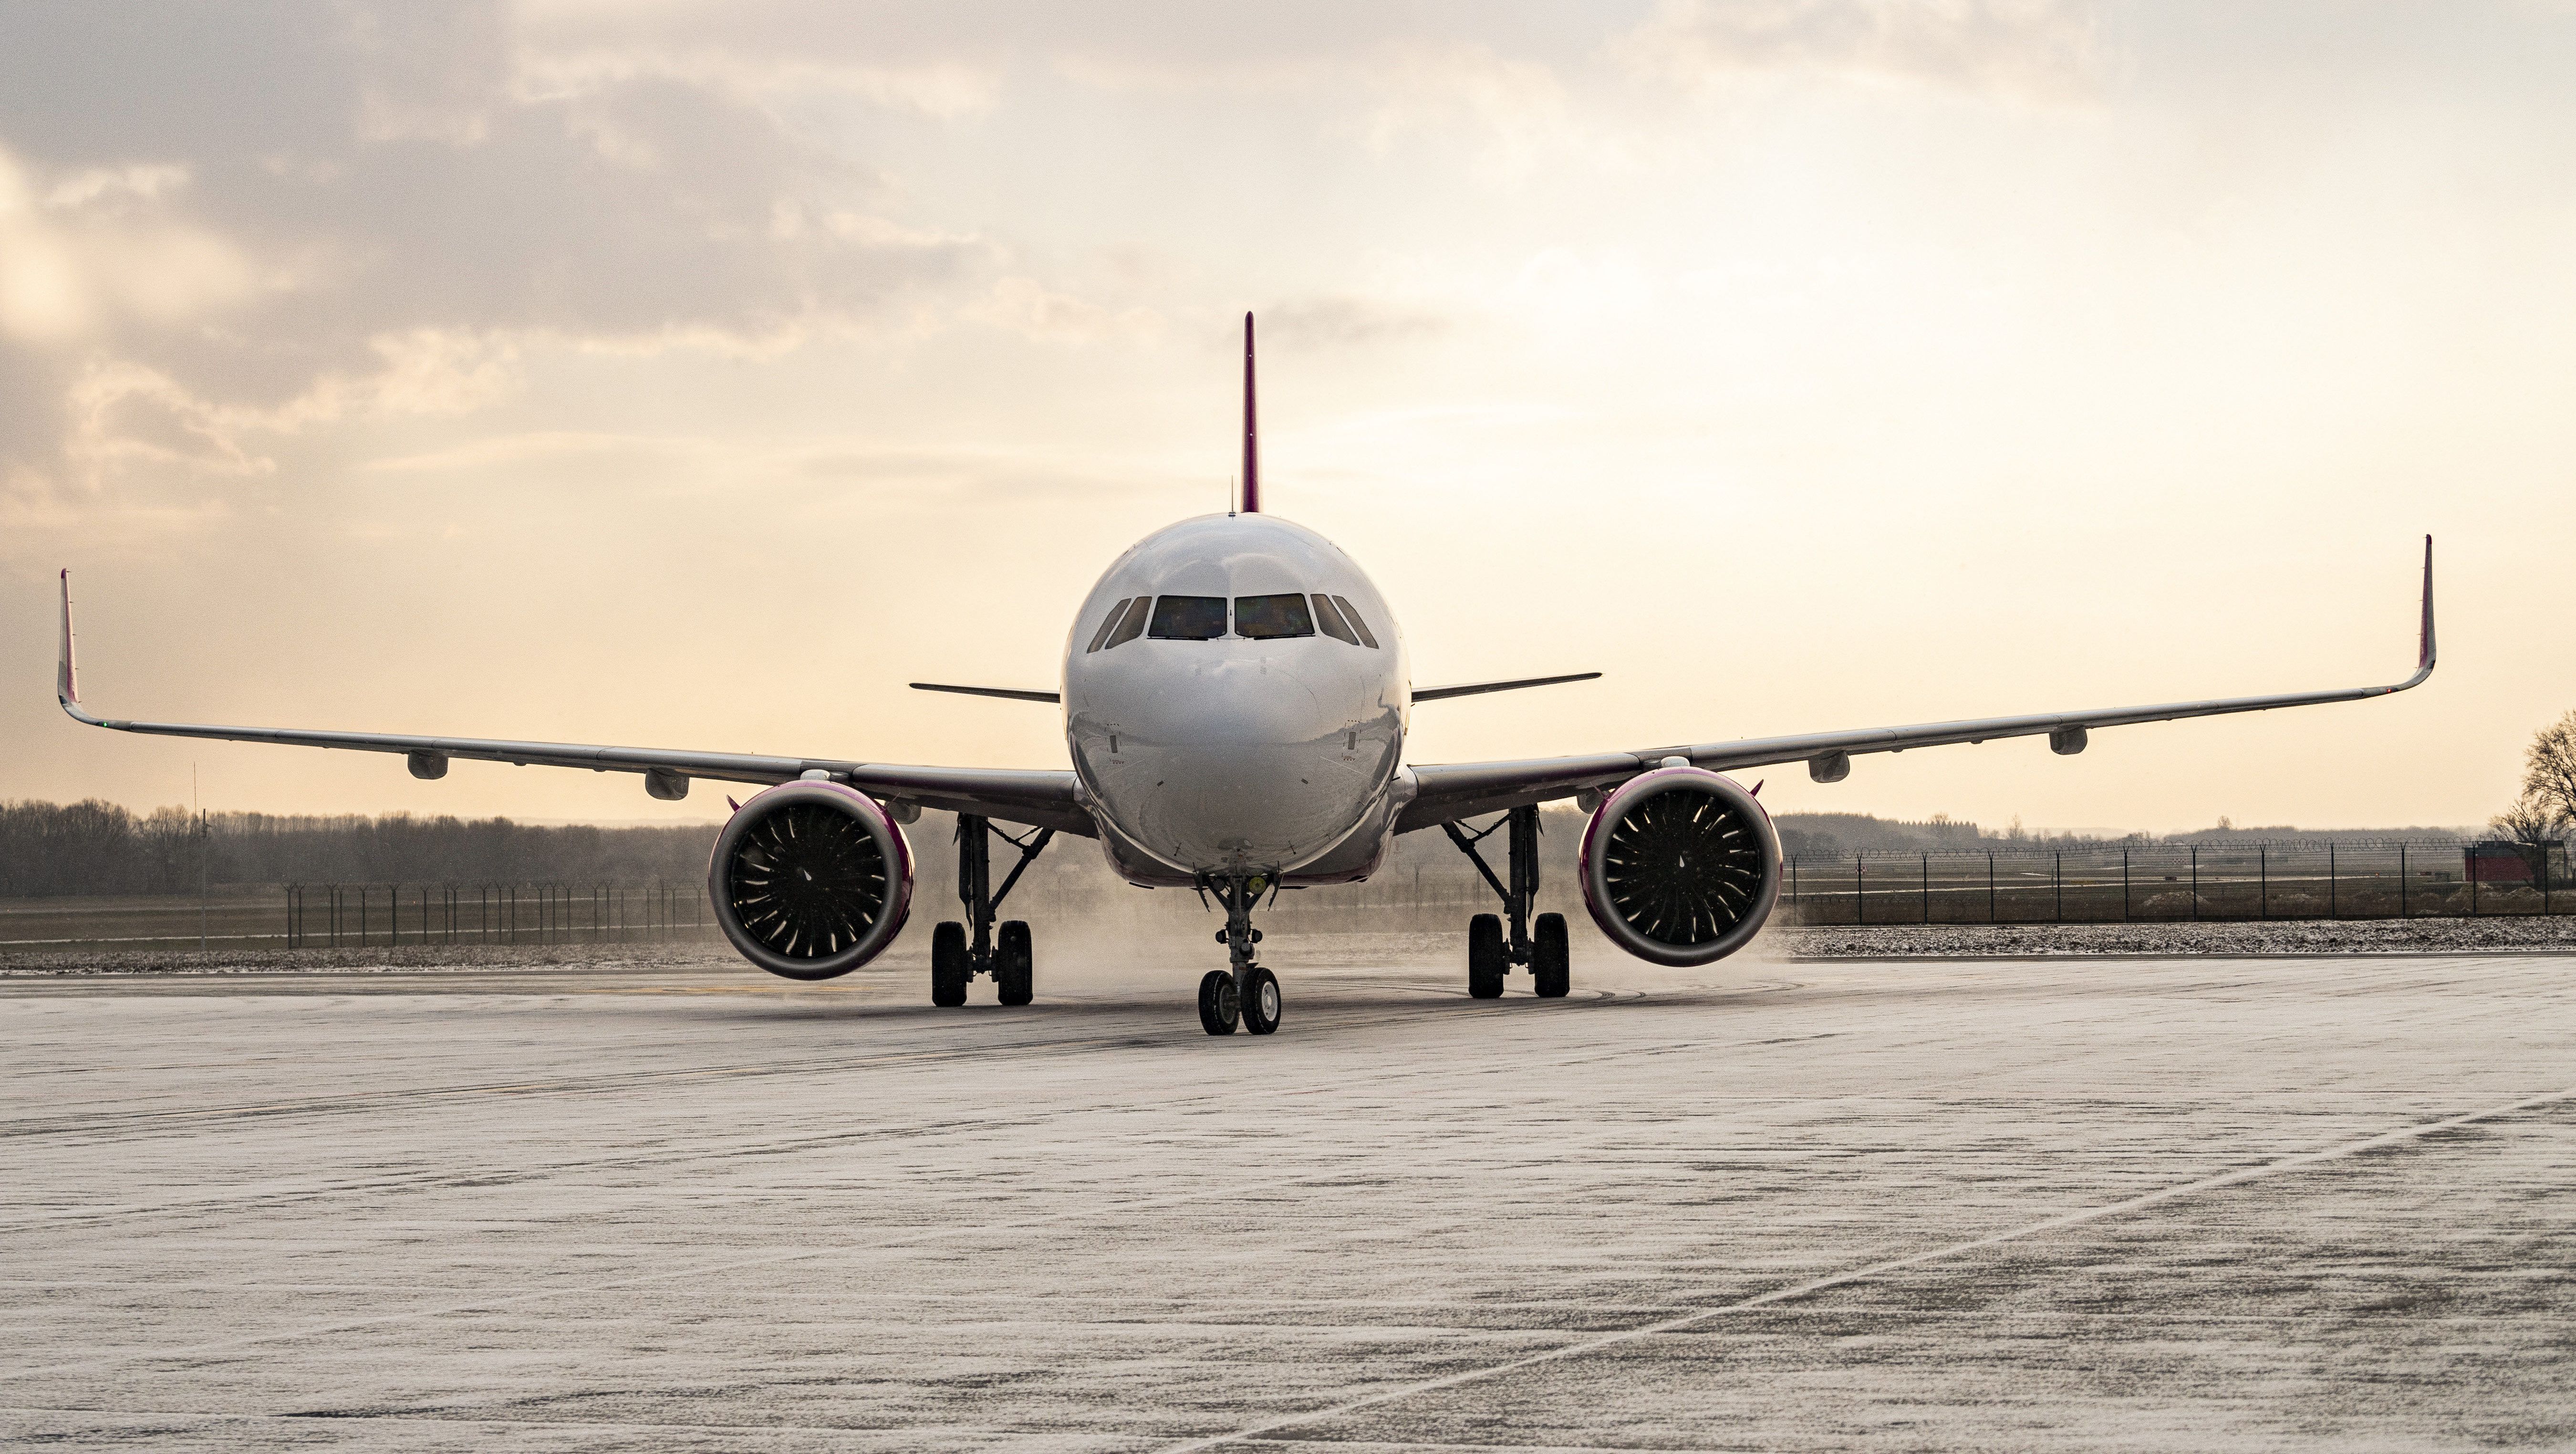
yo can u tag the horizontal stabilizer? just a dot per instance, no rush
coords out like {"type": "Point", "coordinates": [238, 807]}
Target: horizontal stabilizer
{"type": "Point", "coordinates": [1014, 693]}
{"type": "Point", "coordinates": [1470, 689]}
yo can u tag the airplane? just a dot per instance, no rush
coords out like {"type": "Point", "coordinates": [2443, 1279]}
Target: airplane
{"type": "Point", "coordinates": [1235, 696]}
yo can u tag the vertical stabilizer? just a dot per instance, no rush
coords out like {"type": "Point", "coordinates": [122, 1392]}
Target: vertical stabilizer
{"type": "Point", "coordinates": [1251, 429]}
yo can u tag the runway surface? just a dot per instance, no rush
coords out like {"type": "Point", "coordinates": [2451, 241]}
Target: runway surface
{"type": "Point", "coordinates": [2184, 1204]}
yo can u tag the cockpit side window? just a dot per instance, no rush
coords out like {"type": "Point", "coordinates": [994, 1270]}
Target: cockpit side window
{"type": "Point", "coordinates": [1268, 617]}
{"type": "Point", "coordinates": [1134, 625]}
{"type": "Point", "coordinates": [1367, 638]}
{"type": "Point", "coordinates": [1108, 624]}
{"type": "Point", "coordinates": [1328, 616]}
{"type": "Point", "coordinates": [1188, 618]}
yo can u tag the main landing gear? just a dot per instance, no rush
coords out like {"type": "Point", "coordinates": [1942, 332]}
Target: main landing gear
{"type": "Point", "coordinates": [1489, 955]}
{"type": "Point", "coordinates": [1246, 993]}
{"type": "Point", "coordinates": [1010, 960]}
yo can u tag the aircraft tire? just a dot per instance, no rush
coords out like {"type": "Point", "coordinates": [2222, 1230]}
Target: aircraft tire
{"type": "Point", "coordinates": [1261, 1011]}
{"type": "Point", "coordinates": [1216, 1002]}
{"type": "Point", "coordinates": [948, 964]}
{"type": "Point", "coordinates": [1015, 964]}
{"type": "Point", "coordinates": [1485, 957]}
{"type": "Point", "coordinates": [1551, 961]}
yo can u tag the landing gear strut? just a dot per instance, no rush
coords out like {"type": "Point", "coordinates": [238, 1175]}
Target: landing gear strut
{"type": "Point", "coordinates": [955, 957]}
{"type": "Point", "coordinates": [1245, 992]}
{"type": "Point", "coordinates": [1490, 955]}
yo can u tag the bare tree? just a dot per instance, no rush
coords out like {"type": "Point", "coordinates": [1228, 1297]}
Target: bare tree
{"type": "Point", "coordinates": [2549, 769]}
{"type": "Point", "coordinates": [2532, 825]}
{"type": "Point", "coordinates": [2544, 812]}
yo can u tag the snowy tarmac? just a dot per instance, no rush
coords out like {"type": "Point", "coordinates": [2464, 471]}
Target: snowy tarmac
{"type": "Point", "coordinates": [2174, 1204]}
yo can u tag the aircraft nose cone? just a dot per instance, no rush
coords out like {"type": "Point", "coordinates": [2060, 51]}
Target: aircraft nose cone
{"type": "Point", "coordinates": [1238, 766]}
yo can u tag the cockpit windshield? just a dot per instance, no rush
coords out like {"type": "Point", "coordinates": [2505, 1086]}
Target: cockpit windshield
{"type": "Point", "coordinates": [1109, 623]}
{"type": "Point", "coordinates": [1329, 616]}
{"type": "Point", "coordinates": [1265, 617]}
{"type": "Point", "coordinates": [1188, 618]}
{"type": "Point", "coordinates": [1204, 618]}
{"type": "Point", "coordinates": [1351, 614]}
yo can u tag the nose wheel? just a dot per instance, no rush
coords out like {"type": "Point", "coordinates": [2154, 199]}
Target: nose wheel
{"type": "Point", "coordinates": [1244, 994]}
{"type": "Point", "coordinates": [1261, 1003]}
{"type": "Point", "coordinates": [1219, 1005]}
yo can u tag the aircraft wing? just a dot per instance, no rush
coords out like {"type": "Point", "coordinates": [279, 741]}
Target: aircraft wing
{"type": "Point", "coordinates": [1035, 797]}
{"type": "Point", "coordinates": [1446, 792]}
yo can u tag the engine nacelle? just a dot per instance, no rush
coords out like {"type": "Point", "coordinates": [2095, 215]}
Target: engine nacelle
{"type": "Point", "coordinates": [1680, 866]}
{"type": "Point", "coordinates": [811, 879]}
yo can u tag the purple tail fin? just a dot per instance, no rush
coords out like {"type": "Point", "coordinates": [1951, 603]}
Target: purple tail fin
{"type": "Point", "coordinates": [1251, 430]}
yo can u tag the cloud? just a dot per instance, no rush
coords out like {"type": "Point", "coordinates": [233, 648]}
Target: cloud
{"type": "Point", "coordinates": [944, 91]}
{"type": "Point", "coordinates": [1518, 111]}
{"type": "Point", "coordinates": [1348, 320]}
{"type": "Point", "coordinates": [99, 246]}
{"type": "Point", "coordinates": [2025, 49]}
{"type": "Point", "coordinates": [421, 198]}
{"type": "Point", "coordinates": [1028, 307]}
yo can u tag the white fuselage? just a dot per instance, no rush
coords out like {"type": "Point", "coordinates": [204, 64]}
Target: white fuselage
{"type": "Point", "coordinates": [1260, 742]}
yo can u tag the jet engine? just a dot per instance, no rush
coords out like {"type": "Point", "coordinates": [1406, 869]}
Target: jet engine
{"type": "Point", "coordinates": [811, 879]}
{"type": "Point", "coordinates": [1680, 866]}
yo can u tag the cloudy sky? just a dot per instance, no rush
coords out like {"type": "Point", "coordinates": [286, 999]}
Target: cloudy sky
{"type": "Point", "coordinates": [696, 375]}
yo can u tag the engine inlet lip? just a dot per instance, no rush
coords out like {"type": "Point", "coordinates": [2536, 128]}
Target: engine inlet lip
{"type": "Point", "coordinates": [1594, 868]}
{"type": "Point", "coordinates": [880, 826]}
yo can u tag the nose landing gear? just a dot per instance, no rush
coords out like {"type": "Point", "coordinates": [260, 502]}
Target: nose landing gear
{"type": "Point", "coordinates": [1246, 993]}
{"type": "Point", "coordinates": [1490, 955]}
{"type": "Point", "coordinates": [954, 957]}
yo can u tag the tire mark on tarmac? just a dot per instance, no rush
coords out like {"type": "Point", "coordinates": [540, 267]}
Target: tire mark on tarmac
{"type": "Point", "coordinates": [276, 1198]}
{"type": "Point", "coordinates": [1357, 1018]}
{"type": "Point", "coordinates": [108, 1121]}
{"type": "Point", "coordinates": [1011, 1226]}
{"type": "Point", "coordinates": [1567, 1057]}
{"type": "Point", "coordinates": [2401, 1136]}
{"type": "Point", "coordinates": [1472, 1156]}
{"type": "Point", "coordinates": [1239, 1189]}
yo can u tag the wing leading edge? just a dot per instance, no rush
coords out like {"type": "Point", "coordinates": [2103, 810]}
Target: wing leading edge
{"type": "Point", "coordinates": [1035, 797]}
{"type": "Point", "coordinates": [1443, 793]}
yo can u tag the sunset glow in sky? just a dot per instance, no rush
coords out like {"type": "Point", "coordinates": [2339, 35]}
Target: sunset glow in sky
{"type": "Point", "coordinates": [698, 375]}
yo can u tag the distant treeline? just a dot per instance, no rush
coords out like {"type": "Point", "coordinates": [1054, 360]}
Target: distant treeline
{"type": "Point", "coordinates": [100, 848]}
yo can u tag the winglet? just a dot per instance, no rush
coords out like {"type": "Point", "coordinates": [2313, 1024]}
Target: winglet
{"type": "Point", "coordinates": [2424, 638]}
{"type": "Point", "coordinates": [1251, 430]}
{"type": "Point", "coordinates": [66, 671]}
{"type": "Point", "coordinates": [66, 680]}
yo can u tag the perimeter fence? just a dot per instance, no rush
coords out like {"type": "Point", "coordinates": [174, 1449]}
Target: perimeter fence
{"type": "Point", "coordinates": [342, 916]}
{"type": "Point", "coordinates": [2091, 884]}
{"type": "Point", "coordinates": [2004, 883]}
